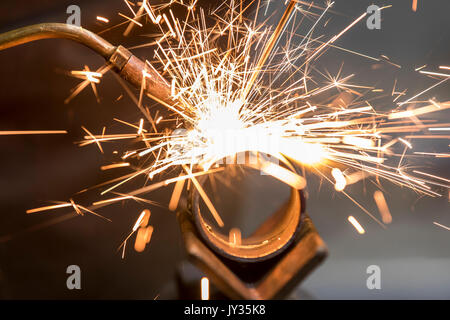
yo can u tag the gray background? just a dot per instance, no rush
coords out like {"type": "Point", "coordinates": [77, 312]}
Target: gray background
{"type": "Point", "coordinates": [413, 254]}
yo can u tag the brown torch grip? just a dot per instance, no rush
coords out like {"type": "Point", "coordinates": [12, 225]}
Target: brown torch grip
{"type": "Point", "coordinates": [139, 74]}
{"type": "Point", "coordinates": [132, 69]}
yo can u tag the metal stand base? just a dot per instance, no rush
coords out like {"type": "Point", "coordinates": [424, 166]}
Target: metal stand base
{"type": "Point", "coordinates": [271, 279]}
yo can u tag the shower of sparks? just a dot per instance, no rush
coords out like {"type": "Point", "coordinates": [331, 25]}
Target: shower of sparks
{"type": "Point", "coordinates": [242, 89]}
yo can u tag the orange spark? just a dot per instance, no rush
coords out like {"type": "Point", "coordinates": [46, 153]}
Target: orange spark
{"type": "Point", "coordinates": [205, 288]}
{"type": "Point", "coordinates": [115, 165]}
{"type": "Point", "coordinates": [356, 224]}
{"type": "Point", "coordinates": [382, 207]}
{"type": "Point", "coordinates": [235, 237]}
{"type": "Point", "coordinates": [173, 204]}
{"type": "Point", "coordinates": [442, 226]}
{"type": "Point", "coordinates": [339, 178]}
{"type": "Point", "coordinates": [102, 19]}
{"type": "Point", "coordinates": [13, 133]}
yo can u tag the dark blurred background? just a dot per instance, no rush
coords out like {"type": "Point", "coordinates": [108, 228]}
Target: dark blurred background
{"type": "Point", "coordinates": [35, 250]}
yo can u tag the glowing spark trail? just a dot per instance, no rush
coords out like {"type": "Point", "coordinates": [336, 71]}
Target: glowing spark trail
{"type": "Point", "coordinates": [414, 5]}
{"type": "Point", "coordinates": [238, 94]}
{"type": "Point", "coordinates": [356, 224]}
{"type": "Point", "coordinates": [205, 288]}
{"type": "Point", "coordinates": [340, 179]}
{"type": "Point", "coordinates": [442, 226]}
{"type": "Point", "coordinates": [31, 132]}
{"type": "Point", "coordinates": [382, 207]}
{"type": "Point", "coordinates": [102, 19]}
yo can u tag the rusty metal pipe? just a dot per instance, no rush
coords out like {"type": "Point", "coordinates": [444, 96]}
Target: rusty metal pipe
{"type": "Point", "coordinates": [269, 240]}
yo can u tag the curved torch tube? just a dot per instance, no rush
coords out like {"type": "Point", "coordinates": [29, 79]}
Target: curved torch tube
{"type": "Point", "coordinates": [124, 62]}
{"type": "Point", "coordinates": [56, 30]}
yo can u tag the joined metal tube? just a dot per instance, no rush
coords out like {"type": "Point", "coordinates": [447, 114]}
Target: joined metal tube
{"type": "Point", "coordinates": [270, 239]}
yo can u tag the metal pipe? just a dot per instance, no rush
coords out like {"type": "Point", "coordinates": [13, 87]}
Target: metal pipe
{"type": "Point", "coordinates": [269, 240]}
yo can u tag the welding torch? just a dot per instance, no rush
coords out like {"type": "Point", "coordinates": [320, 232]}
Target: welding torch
{"type": "Point", "coordinates": [140, 74]}
{"type": "Point", "coordinates": [277, 256]}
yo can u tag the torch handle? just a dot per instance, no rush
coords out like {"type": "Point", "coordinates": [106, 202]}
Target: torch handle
{"type": "Point", "coordinates": [141, 75]}
{"type": "Point", "coordinates": [129, 67]}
